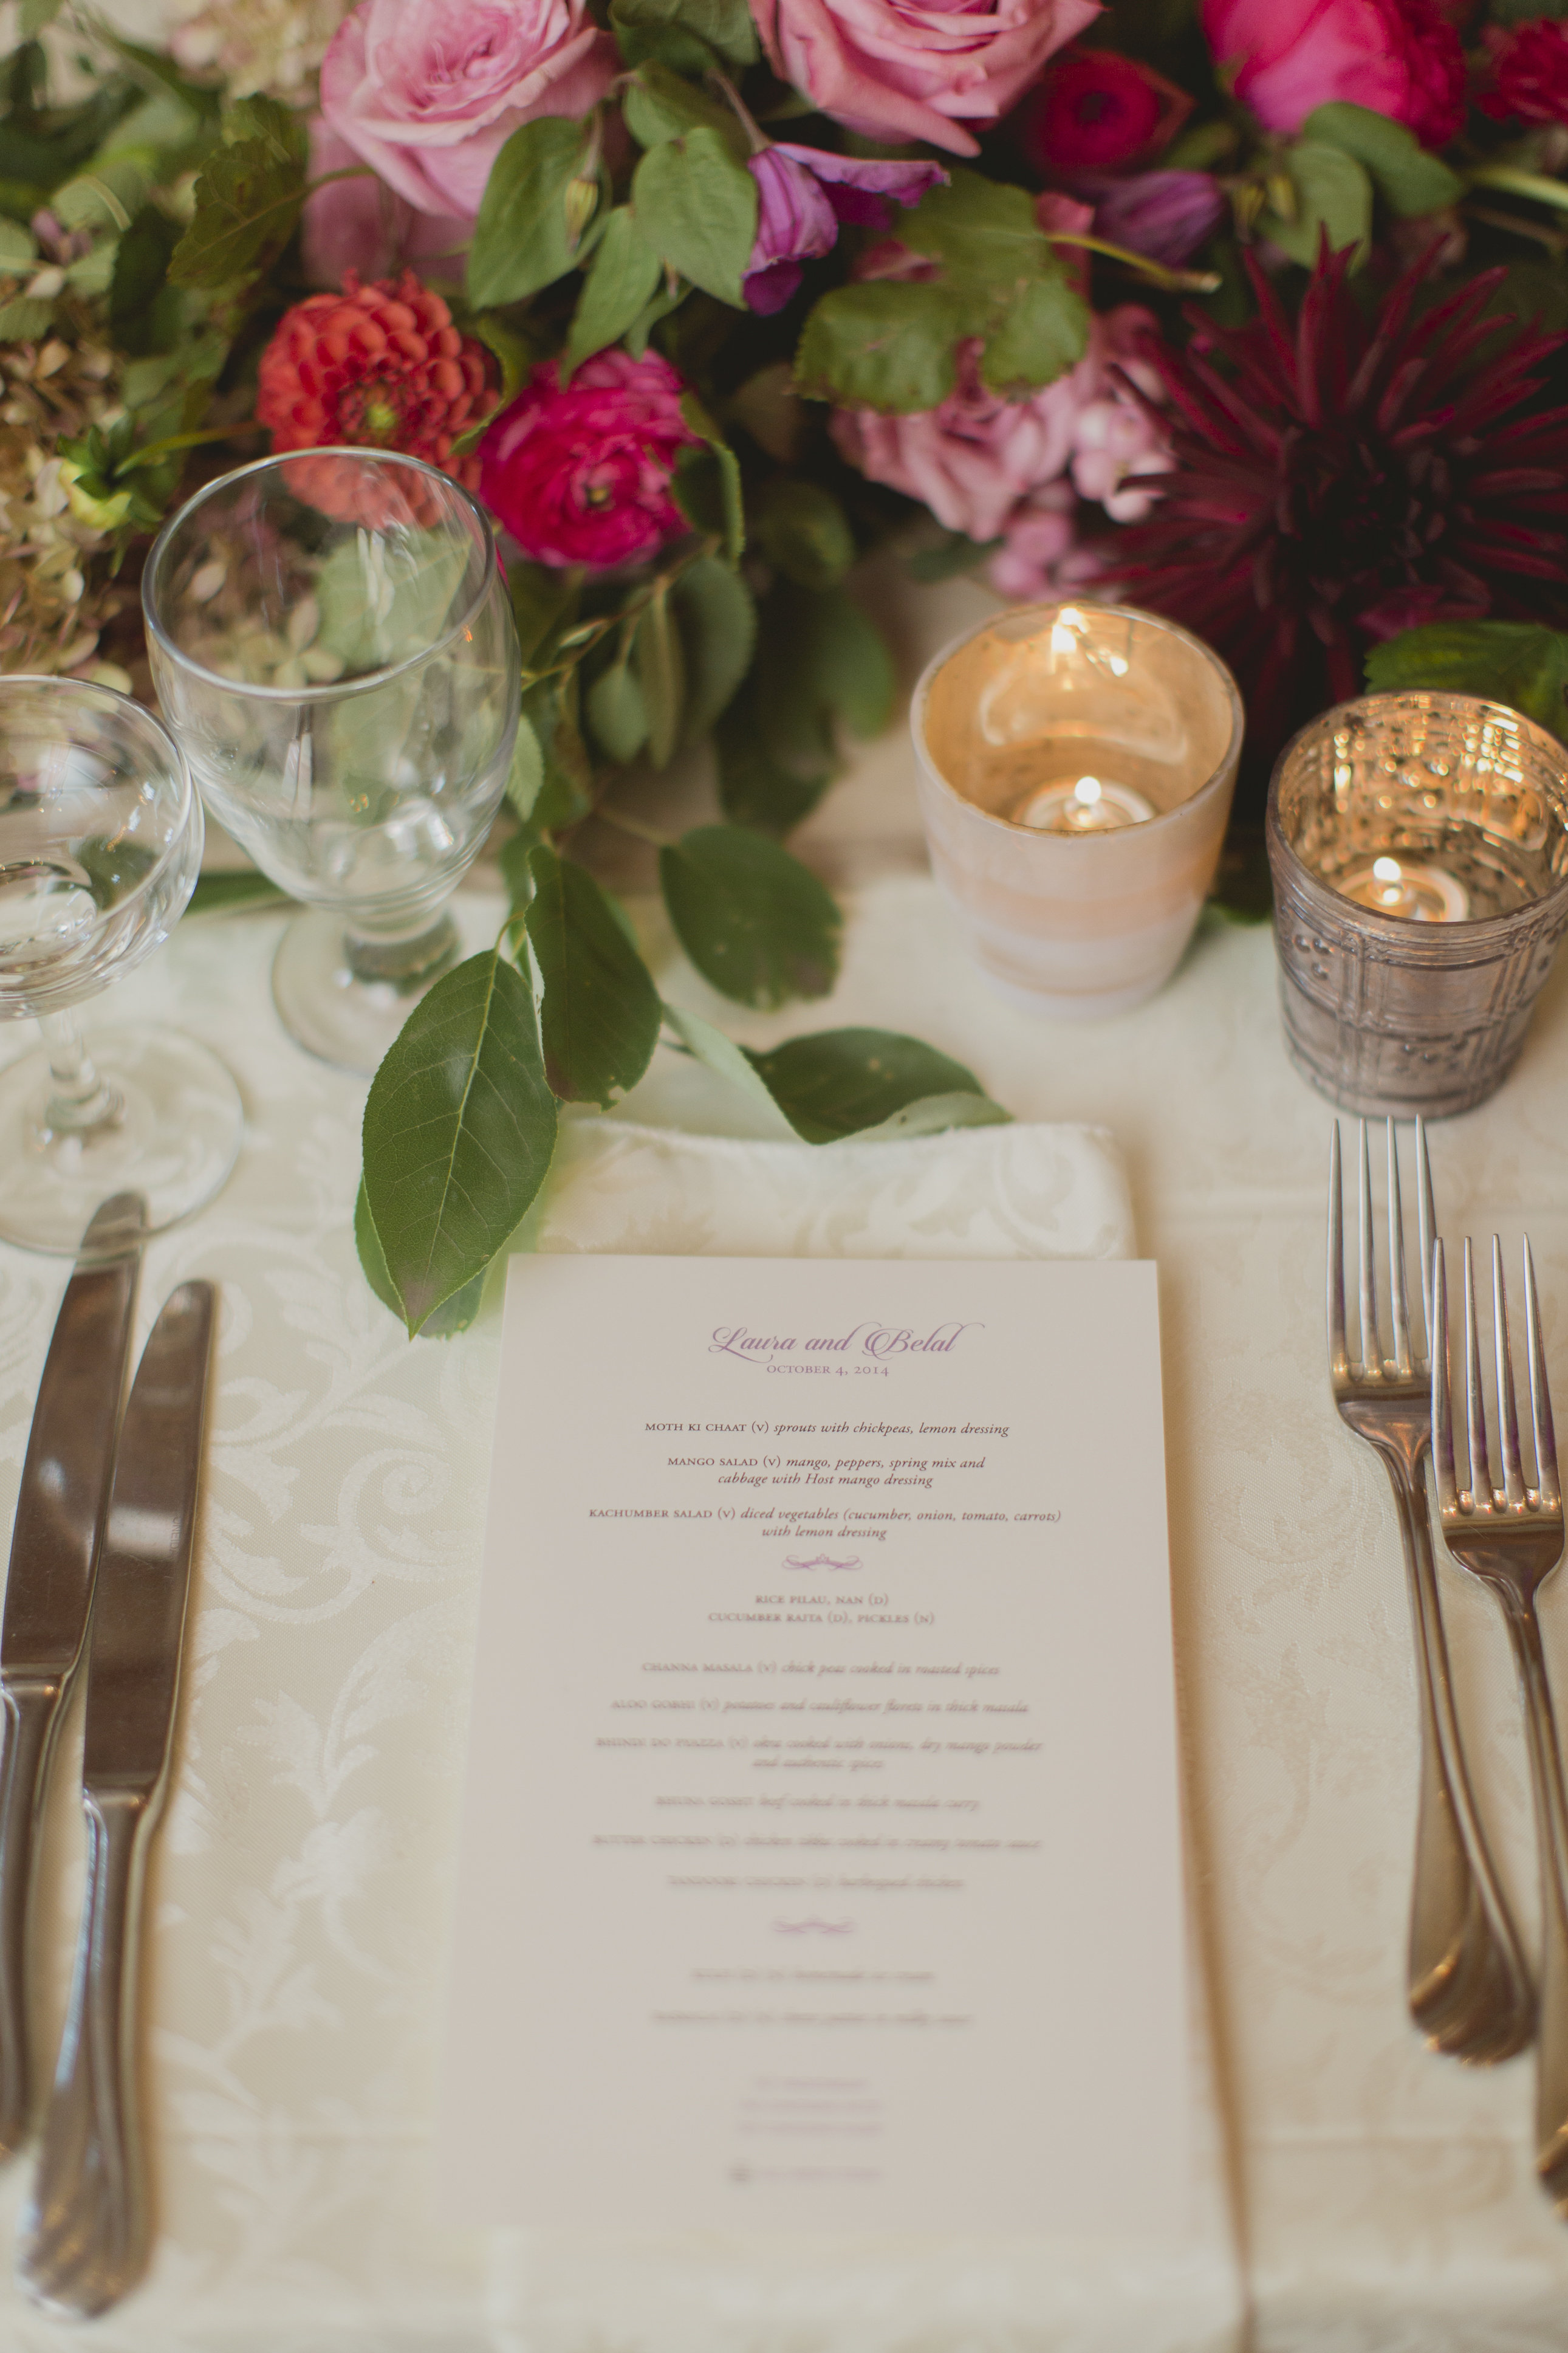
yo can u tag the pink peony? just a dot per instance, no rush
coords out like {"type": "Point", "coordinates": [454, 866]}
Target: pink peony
{"type": "Point", "coordinates": [428, 91]}
{"type": "Point", "coordinates": [893, 71]}
{"type": "Point", "coordinates": [1014, 470]}
{"type": "Point", "coordinates": [365, 226]}
{"type": "Point", "coordinates": [1401, 57]}
{"type": "Point", "coordinates": [582, 476]}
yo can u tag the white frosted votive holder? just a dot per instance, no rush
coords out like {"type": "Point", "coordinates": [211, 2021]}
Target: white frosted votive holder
{"type": "Point", "coordinates": [1124, 710]}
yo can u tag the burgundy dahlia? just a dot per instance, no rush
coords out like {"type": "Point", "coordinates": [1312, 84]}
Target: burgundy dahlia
{"type": "Point", "coordinates": [1338, 478]}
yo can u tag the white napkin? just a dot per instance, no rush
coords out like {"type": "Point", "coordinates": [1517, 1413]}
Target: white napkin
{"type": "Point", "coordinates": [1018, 1191]}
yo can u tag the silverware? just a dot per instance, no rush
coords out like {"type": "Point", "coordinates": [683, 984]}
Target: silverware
{"type": "Point", "coordinates": [86, 2231]}
{"type": "Point", "coordinates": [1512, 1538]}
{"type": "Point", "coordinates": [1467, 1985]}
{"type": "Point", "coordinates": [49, 1588]}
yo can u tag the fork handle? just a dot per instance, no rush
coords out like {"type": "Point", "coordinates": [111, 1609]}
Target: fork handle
{"type": "Point", "coordinates": [1551, 1843]}
{"type": "Point", "coordinates": [1468, 1987]}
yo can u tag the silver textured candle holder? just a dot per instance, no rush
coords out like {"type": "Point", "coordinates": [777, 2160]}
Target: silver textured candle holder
{"type": "Point", "coordinates": [1419, 848]}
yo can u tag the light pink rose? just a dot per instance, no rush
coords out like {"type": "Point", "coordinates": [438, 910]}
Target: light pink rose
{"type": "Point", "coordinates": [894, 71]}
{"type": "Point", "coordinates": [364, 225]}
{"type": "Point", "coordinates": [979, 461]}
{"type": "Point", "coordinates": [1401, 57]}
{"type": "Point", "coordinates": [428, 91]}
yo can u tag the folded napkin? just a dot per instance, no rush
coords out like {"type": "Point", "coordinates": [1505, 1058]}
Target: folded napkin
{"type": "Point", "coordinates": [1018, 1191]}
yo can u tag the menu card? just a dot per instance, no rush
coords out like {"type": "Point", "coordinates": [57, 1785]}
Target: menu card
{"type": "Point", "coordinates": [821, 1859]}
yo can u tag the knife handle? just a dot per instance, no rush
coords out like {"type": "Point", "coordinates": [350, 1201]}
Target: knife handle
{"type": "Point", "coordinates": [32, 1715]}
{"type": "Point", "coordinates": [84, 2232]}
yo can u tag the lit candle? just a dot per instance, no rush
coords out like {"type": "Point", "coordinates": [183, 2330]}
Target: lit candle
{"type": "Point", "coordinates": [1419, 894]}
{"type": "Point", "coordinates": [1089, 805]}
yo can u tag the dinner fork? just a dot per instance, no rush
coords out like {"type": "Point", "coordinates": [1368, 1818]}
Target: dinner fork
{"type": "Point", "coordinates": [1511, 1538]}
{"type": "Point", "coordinates": [1466, 1987]}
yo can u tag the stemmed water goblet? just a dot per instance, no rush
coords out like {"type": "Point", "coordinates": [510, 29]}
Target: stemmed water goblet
{"type": "Point", "coordinates": [333, 645]}
{"type": "Point", "coordinates": [101, 843]}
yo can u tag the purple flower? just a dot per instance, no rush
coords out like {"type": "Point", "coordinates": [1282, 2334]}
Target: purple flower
{"type": "Point", "coordinates": [1166, 215]}
{"type": "Point", "coordinates": [802, 195]}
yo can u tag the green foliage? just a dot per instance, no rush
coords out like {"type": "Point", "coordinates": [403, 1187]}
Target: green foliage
{"type": "Point", "coordinates": [623, 278]}
{"type": "Point", "coordinates": [1409, 180]}
{"type": "Point", "coordinates": [839, 1082]}
{"type": "Point", "coordinates": [658, 105]}
{"type": "Point", "coordinates": [756, 923]}
{"type": "Point", "coordinates": [1517, 662]}
{"type": "Point", "coordinates": [525, 775]}
{"type": "Point", "coordinates": [706, 484]}
{"type": "Point", "coordinates": [523, 239]}
{"type": "Point", "coordinates": [616, 711]}
{"type": "Point", "coordinates": [226, 893]}
{"type": "Point", "coordinates": [458, 1130]}
{"type": "Point", "coordinates": [697, 205]}
{"type": "Point", "coordinates": [718, 623]}
{"type": "Point", "coordinates": [145, 312]}
{"type": "Point", "coordinates": [249, 199]}
{"type": "Point", "coordinates": [1331, 193]}
{"type": "Point", "coordinates": [689, 35]}
{"type": "Point", "coordinates": [455, 1317]}
{"type": "Point", "coordinates": [821, 663]}
{"type": "Point", "coordinates": [601, 1013]}
{"type": "Point", "coordinates": [882, 345]}
{"type": "Point", "coordinates": [802, 529]}
{"type": "Point", "coordinates": [999, 262]}
{"type": "Point", "coordinates": [660, 675]}
{"type": "Point", "coordinates": [721, 1055]}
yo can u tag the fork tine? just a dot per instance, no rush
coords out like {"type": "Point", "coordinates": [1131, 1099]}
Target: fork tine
{"type": "Point", "coordinates": [1539, 1394]}
{"type": "Point", "coordinates": [1370, 1347]}
{"type": "Point", "coordinates": [1475, 1406]}
{"type": "Point", "coordinates": [1399, 1303]}
{"type": "Point", "coordinates": [1442, 1403]}
{"type": "Point", "coordinates": [1337, 1359]}
{"type": "Point", "coordinates": [1427, 1216]}
{"type": "Point", "coordinates": [1506, 1408]}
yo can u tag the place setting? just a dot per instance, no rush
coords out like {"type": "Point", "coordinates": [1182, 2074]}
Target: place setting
{"type": "Point", "coordinates": [733, 742]}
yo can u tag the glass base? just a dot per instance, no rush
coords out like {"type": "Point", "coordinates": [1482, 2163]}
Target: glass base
{"type": "Point", "coordinates": [345, 999]}
{"type": "Point", "coordinates": [174, 1139]}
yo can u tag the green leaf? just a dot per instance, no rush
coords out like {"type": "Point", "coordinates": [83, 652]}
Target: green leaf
{"type": "Point", "coordinates": [697, 206]}
{"type": "Point", "coordinates": [617, 713]}
{"type": "Point", "coordinates": [754, 922]}
{"type": "Point", "coordinates": [522, 239]}
{"type": "Point", "coordinates": [543, 600]}
{"type": "Point", "coordinates": [105, 196]}
{"type": "Point", "coordinates": [525, 776]}
{"type": "Point", "coordinates": [661, 676]}
{"type": "Point", "coordinates": [248, 200]}
{"type": "Point", "coordinates": [881, 345]}
{"type": "Point", "coordinates": [982, 231]}
{"type": "Point", "coordinates": [1516, 662]}
{"type": "Point", "coordinates": [601, 1012]}
{"type": "Point", "coordinates": [18, 252]}
{"type": "Point", "coordinates": [624, 276]}
{"type": "Point", "coordinates": [658, 105]}
{"type": "Point", "coordinates": [707, 483]}
{"type": "Point", "coordinates": [25, 318]}
{"type": "Point", "coordinates": [460, 1310]}
{"type": "Point", "coordinates": [1410, 179]}
{"type": "Point", "coordinates": [268, 118]}
{"type": "Point", "coordinates": [933, 1114]}
{"type": "Point", "coordinates": [1044, 331]}
{"type": "Point", "coordinates": [771, 411]}
{"type": "Point", "coordinates": [721, 1055]}
{"type": "Point", "coordinates": [145, 312]}
{"type": "Point", "coordinates": [755, 788]}
{"type": "Point", "coordinates": [801, 527]}
{"type": "Point", "coordinates": [839, 1082]}
{"type": "Point", "coordinates": [1332, 192]}
{"type": "Point", "coordinates": [718, 623]}
{"type": "Point", "coordinates": [34, 14]}
{"type": "Point", "coordinates": [838, 657]}
{"type": "Point", "coordinates": [458, 1130]}
{"type": "Point", "coordinates": [227, 894]}
{"type": "Point", "coordinates": [550, 709]}
{"type": "Point", "coordinates": [724, 27]}
{"type": "Point", "coordinates": [949, 554]}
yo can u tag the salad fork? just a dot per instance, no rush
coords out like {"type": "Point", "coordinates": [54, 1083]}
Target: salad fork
{"type": "Point", "coordinates": [1466, 1987]}
{"type": "Point", "coordinates": [1511, 1538]}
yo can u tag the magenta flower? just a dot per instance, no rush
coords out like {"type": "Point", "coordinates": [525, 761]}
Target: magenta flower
{"type": "Point", "coordinates": [803, 195]}
{"type": "Point", "coordinates": [583, 476]}
{"type": "Point", "coordinates": [1166, 215]}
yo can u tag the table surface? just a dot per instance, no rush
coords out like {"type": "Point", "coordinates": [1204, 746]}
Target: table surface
{"type": "Point", "coordinates": [1381, 2198]}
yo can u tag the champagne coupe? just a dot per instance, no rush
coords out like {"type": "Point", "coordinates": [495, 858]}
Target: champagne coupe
{"type": "Point", "coordinates": [101, 843]}
{"type": "Point", "coordinates": [333, 647]}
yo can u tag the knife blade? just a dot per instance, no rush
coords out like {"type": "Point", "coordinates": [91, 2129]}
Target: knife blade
{"type": "Point", "coordinates": [60, 1507]}
{"type": "Point", "coordinates": [84, 2232]}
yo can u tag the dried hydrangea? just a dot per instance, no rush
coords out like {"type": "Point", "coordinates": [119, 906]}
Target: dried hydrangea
{"type": "Point", "coordinates": [276, 45]}
{"type": "Point", "coordinates": [56, 601]}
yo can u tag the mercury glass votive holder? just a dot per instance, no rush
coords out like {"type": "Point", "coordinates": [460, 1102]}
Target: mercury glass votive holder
{"type": "Point", "coordinates": [1075, 764]}
{"type": "Point", "coordinates": [1419, 848]}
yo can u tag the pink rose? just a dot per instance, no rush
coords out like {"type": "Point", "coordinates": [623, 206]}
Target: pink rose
{"type": "Point", "coordinates": [582, 476]}
{"type": "Point", "coordinates": [1014, 470]}
{"type": "Point", "coordinates": [1401, 57]}
{"type": "Point", "coordinates": [893, 71]}
{"type": "Point", "coordinates": [365, 225]}
{"type": "Point", "coordinates": [428, 92]}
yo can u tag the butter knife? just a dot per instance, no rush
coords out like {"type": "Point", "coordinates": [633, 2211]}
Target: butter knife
{"type": "Point", "coordinates": [49, 1588]}
{"type": "Point", "coordinates": [86, 2230]}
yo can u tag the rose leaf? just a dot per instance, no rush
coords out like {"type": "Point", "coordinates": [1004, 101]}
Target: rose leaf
{"type": "Point", "coordinates": [718, 624]}
{"type": "Point", "coordinates": [1044, 331]}
{"type": "Point", "coordinates": [1410, 179]}
{"type": "Point", "coordinates": [661, 676]}
{"type": "Point", "coordinates": [246, 201]}
{"type": "Point", "coordinates": [616, 714]}
{"type": "Point", "coordinates": [755, 921]}
{"type": "Point", "coordinates": [658, 105]}
{"type": "Point", "coordinates": [801, 527]}
{"type": "Point", "coordinates": [1333, 193]}
{"type": "Point", "coordinates": [624, 276]}
{"type": "Point", "coordinates": [600, 1012]}
{"type": "Point", "coordinates": [522, 239]}
{"type": "Point", "coordinates": [882, 345]}
{"type": "Point", "coordinates": [697, 206]}
{"type": "Point", "coordinates": [459, 1127]}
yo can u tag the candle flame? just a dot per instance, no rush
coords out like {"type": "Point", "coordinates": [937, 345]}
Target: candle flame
{"type": "Point", "coordinates": [1087, 790]}
{"type": "Point", "coordinates": [1388, 870]}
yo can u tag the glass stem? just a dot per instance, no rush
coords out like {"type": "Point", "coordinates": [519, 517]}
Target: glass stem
{"type": "Point", "coordinates": [80, 1102]}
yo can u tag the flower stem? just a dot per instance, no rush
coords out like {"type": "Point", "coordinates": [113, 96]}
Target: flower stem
{"type": "Point", "coordinates": [723, 82]}
{"type": "Point", "coordinates": [634, 825]}
{"type": "Point", "coordinates": [1534, 184]}
{"type": "Point", "coordinates": [1172, 281]}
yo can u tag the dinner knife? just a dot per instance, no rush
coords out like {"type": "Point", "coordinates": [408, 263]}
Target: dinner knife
{"type": "Point", "coordinates": [48, 1588]}
{"type": "Point", "coordinates": [85, 2232]}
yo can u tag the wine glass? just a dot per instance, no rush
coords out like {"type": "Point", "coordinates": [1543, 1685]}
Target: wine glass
{"type": "Point", "coordinates": [333, 647]}
{"type": "Point", "coordinates": [101, 843]}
